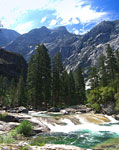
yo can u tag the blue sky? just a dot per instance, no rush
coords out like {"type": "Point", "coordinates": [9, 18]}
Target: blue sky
{"type": "Point", "coordinates": [78, 16]}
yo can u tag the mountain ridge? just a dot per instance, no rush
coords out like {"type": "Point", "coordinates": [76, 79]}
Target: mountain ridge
{"type": "Point", "coordinates": [75, 49]}
{"type": "Point", "coordinates": [7, 35]}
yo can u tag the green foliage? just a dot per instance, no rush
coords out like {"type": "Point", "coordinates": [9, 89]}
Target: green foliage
{"type": "Point", "coordinates": [80, 86]}
{"type": "Point", "coordinates": [20, 92]}
{"type": "Point", "coordinates": [105, 80]}
{"type": "Point", "coordinates": [39, 78]}
{"type": "Point", "coordinates": [102, 70]}
{"type": "Point", "coordinates": [100, 95]}
{"type": "Point", "coordinates": [24, 128]}
{"type": "Point", "coordinates": [111, 63]}
{"type": "Point", "coordinates": [42, 140]}
{"type": "Point", "coordinates": [93, 96]}
{"type": "Point", "coordinates": [57, 80]}
{"type": "Point", "coordinates": [109, 144]}
{"type": "Point", "coordinates": [117, 101]}
{"type": "Point", "coordinates": [26, 147]}
{"type": "Point", "coordinates": [71, 89]}
{"type": "Point", "coordinates": [6, 139]}
{"type": "Point", "coordinates": [96, 107]}
{"type": "Point", "coordinates": [107, 94]}
{"type": "Point", "coordinates": [3, 116]}
{"type": "Point", "coordinates": [94, 78]}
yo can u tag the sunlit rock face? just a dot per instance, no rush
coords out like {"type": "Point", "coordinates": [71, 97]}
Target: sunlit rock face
{"type": "Point", "coordinates": [55, 40]}
{"type": "Point", "coordinates": [75, 49]}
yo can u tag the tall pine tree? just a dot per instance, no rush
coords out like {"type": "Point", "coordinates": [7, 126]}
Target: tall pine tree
{"type": "Point", "coordinates": [20, 92]}
{"type": "Point", "coordinates": [94, 78]}
{"type": "Point", "coordinates": [102, 70]}
{"type": "Point", "coordinates": [71, 89]}
{"type": "Point", "coordinates": [80, 86]}
{"type": "Point", "coordinates": [56, 80]}
{"type": "Point", "coordinates": [111, 63]}
{"type": "Point", "coordinates": [39, 78]}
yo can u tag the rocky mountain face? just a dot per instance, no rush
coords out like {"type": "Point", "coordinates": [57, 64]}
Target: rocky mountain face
{"type": "Point", "coordinates": [55, 40]}
{"type": "Point", "coordinates": [7, 35]}
{"type": "Point", "coordinates": [93, 43]}
{"type": "Point", "coordinates": [11, 64]}
{"type": "Point", "coordinates": [75, 49]}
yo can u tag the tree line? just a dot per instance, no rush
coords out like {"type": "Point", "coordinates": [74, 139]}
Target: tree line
{"type": "Point", "coordinates": [104, 81]}
{"type": "Point", "coordinates": [47, 84]}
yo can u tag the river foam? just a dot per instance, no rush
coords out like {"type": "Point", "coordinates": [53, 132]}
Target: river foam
{"type": "Point", "coordinates": [111, 126]}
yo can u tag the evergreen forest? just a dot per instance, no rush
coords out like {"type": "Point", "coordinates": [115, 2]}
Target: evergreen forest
{"type": "Point", "coordinates": [48, 84]}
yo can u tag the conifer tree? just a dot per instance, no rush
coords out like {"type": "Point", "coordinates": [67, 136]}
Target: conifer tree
{"type": "Point", "coordinates": [117, 59]}
{"type": "Point", "coordinates": [64, 88]}
{"type": "Point", "coordinates": [56, 81]}
{"type": "Point", "coordinates": [20, 93]}
{"type": "Point", "coordinates": [31, 80]}
{"type": "Point", "coordinates": [80, 86]}
{"type": "Point", "coordinates": [39, 77]}
{"type": "Point", "coordinates": [12, 92]}
{"type": "Point", "coordinates": [111, 63]}
{"type": "Point", "coordinates": [94, 78]}
{"type": "Point", "coordinates": [45, 75]}
{"type": "Point", "coordinates": [71, 89]}
{"type": "Point", "coordinates": [102, 70]}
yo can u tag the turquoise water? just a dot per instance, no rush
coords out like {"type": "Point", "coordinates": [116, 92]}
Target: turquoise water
{"type": "Point", "coordinates": [82, 138]}
{"type": "Point", "coordinates": [86, 135]}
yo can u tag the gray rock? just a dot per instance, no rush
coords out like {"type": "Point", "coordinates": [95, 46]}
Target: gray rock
{"type": "Point", "coordinates": [22, 109]}
{"type": "Point", "coordinates": [54, 109]}
{"type": "Point", "coordinates": [108, 109]}
{"type": "Point", "coordinates": [116, 117]}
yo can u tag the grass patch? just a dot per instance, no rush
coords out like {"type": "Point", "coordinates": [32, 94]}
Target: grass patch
{"type": "Point", "coordinates": [6, 139]}
{"type": "Point", "coordinates": [42, 140]}
{"type": "Point", "coordinates": [24, 148]}
{"type": "Point", "coordinates": [109, 144]}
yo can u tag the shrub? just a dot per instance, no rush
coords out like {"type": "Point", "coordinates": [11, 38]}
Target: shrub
{"type": "Point", "coordinates": [97, 107]}
{"type": "Point", "coordinates": [107, 94]}
{"type": "Point", "coordinates": [24, 128]}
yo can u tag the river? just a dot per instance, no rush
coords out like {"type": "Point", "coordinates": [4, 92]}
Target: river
{"type": "Point", "coordinates": [82, 130]}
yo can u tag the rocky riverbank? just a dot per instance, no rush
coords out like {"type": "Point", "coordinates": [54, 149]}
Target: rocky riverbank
{"type": "Point", "coordinates": [54, 119]}
{"type": "Point", "coordinates": [25, 146]}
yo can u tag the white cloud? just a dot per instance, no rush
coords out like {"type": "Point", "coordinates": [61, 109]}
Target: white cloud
{"type": "Point", "coordinates": [43, 19]}
{"type": "Point", "coordinates": [53, 22]}
{"type": "Point", "coordinates": [12, 10]}
{"type": "Point", "coordinates": [75, 21]}
{"type": "Point", "coordinates": [83, 31]}
{"type": "Point", "coordinates": [22, 28]}
{"type": "Point", "coordinates": [72, 11]}
{"type": "Point", "coordinates": [67, 11]}
{"type": "Point", "coordinates": [76, 32]}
